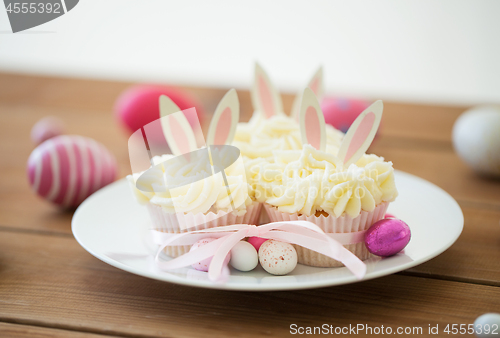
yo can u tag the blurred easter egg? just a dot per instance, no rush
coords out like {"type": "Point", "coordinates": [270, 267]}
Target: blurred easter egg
{"type": "Point", "coordinates": [487, 325]}
{"type": "Point", "coordinates": [139, 105]}
{"type": "Point", "coordinates": [341, 113]}
{"type": "Point", "coordinates": [387, 237]}
{"type": "Point", "coordinates": [46, 128]}
{"type": "Point", "coordinates": [66, 169]}
{"type": "Point", "coordinates": [476, 139]}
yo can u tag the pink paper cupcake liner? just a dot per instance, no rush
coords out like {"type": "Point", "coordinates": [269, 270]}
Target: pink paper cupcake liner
{"type": "Point", "coordinates": [175, 223]}
{"type": "Point", "coordinates": [331, 224]}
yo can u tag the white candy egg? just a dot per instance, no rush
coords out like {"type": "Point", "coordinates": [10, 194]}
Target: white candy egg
{"type": "Point", "coordinates": [277, 258]}
{"type": "Point", "coordinates": [487, 325]}
{"type": "Point", "coordinates": [476, 138]}
{"type": "Point", "coordinates": [244, 257]}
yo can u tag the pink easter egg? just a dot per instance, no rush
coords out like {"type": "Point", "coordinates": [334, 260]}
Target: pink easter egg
{"type": "Point", "coordinates": [66, 169]}
{"type": "Point", "coordinates": [256, 242]}
{"type": "Point", "coordinates": [341, 113]}
{"type": "Point", "coordinates": [139, 105]}
{"type": "Point", "coordinates": [387, 237]}
{"type": "Point", "coordinates": [204, 264]}
{"type": "Point", "coordinates": [46, 128]}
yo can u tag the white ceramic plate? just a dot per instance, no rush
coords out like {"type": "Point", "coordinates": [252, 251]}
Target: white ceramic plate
{"type": "Point", "coordinates": [113, 227]}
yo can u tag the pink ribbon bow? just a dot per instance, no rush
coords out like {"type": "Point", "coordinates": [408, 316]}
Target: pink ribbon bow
{"type": "Point", "coordinates": [302, 233]}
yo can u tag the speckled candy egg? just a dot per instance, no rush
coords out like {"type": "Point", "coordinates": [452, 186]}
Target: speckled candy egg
{"type": "Point", "coordinates": [67, 169]}
{"type": "Point", "coordinates": [277, 258]}
{"type": "Point", "coordinates": [476, 139]}
{"type": "Point", "coordinates": [341, 113]}
{"type": "Point", "coordinates": [244, 257]}
{"type": "Point", "coordinates": [46, 128]}
{"type": "Point", "coordinates": [139, 105]}
{"type": "Point", "coordinates": [487, 325]}
{"type": "Point", "coordinates": [387, 237]}
{"type": "Point", "coordinates": [204, 264]}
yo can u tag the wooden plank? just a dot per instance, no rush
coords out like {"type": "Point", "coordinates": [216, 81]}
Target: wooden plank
{"type": "Point", "coordinates": [432, 122]}
{"type": "Point", "coordinates": [429, 157]}
{"type": "Point", "coordinates": [475, 257]}
{"type": "Point", "coordinates": [28, 331]}
{"type": "Point", "coordinates": [444, 169]}
{"type": "Point", "coordinates": [51, 280]}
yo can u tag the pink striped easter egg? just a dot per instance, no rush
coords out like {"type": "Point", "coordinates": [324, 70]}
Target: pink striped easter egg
{"type": "Point", "coordinates": [66, 169]}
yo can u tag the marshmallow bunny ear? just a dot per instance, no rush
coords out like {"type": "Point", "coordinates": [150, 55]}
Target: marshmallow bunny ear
{"type": "Point", "coordinates": [312, 121]}
{"type": "Point", "coordinates": [225, 120]}
{"type": "Point", "coordinates": [317, 86]}
{"type": "Point", "coordinates": [176, 128]}
{"type": "Point", "coordinates": [361, 133]}
{"type": "Point", "coordinates": [265, 97]}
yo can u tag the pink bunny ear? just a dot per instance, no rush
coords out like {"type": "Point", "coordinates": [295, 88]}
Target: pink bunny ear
{"type": "Point", "coordinates": [312, 121]}
{"type": "Point", "coordinates": [316, 85]}
{"type": "Point", "coordinates": [176, 128]}
{"type": "Point", "coordinates": [265, 97]}
{"type": "Point", "coordinates": [360, 135]}
{"type": "Point", "coordinates": [225, 120]}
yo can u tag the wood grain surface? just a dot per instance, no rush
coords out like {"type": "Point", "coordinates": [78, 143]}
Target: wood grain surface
{"type": "Point", "coordinates": [51, 287]}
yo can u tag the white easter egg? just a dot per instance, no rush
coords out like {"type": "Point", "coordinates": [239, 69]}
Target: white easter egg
{"type": "Point", "coordinates": [244, 257]}
{"type": "Point", "coordinates": [277, 258]}
{"type": "Point", "coordinates": [476, 138]}
{"type": "Point", "coordinates": [487, 325]}
{"type": "Point", "coordinates": [67, 169]}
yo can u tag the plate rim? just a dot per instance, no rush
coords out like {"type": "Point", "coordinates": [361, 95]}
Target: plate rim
{"type": "Point", "coordinates": [266, 287]}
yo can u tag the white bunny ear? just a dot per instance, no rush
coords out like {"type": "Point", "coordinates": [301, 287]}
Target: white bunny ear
{"type": "Point", "coordinates": [176, 128]}
{"type": "Point", "coordinates": [317, 86]}
{"type": "Point", "coordinates": [360, 135]}
{"type": "Point", "coordinates": [265, 97]}
{"type": "Point", "coordinates": [312, 121]}
{"type": "Point", "coordinates": [225, 119]}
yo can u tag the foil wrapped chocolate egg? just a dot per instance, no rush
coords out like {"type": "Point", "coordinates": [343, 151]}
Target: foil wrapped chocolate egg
{"type": "Point", "coordinates": [387, 237]}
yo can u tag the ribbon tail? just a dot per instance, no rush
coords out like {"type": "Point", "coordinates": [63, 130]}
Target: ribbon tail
{"type": "Point", "coordinates": [191, 257]}
{"type": "Point", "coordinates": [216, 267]}
{"type": "Point", "coordinates": [326, 246]}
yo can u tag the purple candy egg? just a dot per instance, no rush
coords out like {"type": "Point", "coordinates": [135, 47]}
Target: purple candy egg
{"type": "Point", "coordinates": [387, 237]}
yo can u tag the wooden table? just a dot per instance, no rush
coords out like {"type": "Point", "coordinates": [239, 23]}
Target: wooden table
{"type": "Point", "coordinates": [51, 287]}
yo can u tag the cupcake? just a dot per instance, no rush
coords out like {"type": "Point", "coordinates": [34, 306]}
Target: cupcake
{"type": "Point", "coordinates": [270, 128]}
{"type": "Point", "coordinates": [196, 188]}
{"type": "Point", "coordinates": [342, 194]}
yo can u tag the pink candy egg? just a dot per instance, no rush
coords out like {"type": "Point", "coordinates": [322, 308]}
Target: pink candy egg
{"type": "Point", "coordinates": [256, 242]}
{"type": "Point", "coordinates": [277, 258]}
{"type": "Point", "coordinates": [66, 169]}
{"type": "Point", "coordinates": [139, 105]}
{"type": "Point", "coordinates": [46, 128]}
{"type": "Point", "coordinates": [204, 264]}
{"type": "Point", "coordinates": [387, 237]}
{"type": "Point", "coordinates": [341, 113]}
